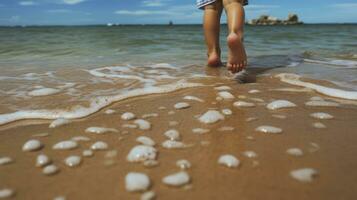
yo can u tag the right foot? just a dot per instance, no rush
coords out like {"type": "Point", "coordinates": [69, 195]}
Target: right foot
{"type": "Point", "coordinates": [237, 58]}
{"type": "Point", "coordinates": [213, 60]}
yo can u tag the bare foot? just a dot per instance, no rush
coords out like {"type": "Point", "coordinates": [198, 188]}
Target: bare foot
{"type": "Point", "coordinates": [237, 58]}
{"type": "Point", "coordinates": [213, 60]}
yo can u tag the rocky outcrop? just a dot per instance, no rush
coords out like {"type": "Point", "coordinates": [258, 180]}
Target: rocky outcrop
{"type": "Point", "coordinates": [292, 19]}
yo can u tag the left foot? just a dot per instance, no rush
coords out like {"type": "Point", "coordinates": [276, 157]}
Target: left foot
{"type": "Point", "coordinates": [237, 58]}
{"type": "Point", "coordinates": [213, 60]}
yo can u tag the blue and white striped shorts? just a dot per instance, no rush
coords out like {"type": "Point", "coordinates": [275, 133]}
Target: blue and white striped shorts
{"type": "Point", "coordinates": [202, 3]}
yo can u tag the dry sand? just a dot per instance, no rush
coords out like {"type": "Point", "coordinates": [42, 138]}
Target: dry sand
{"type": "Point", "coordinates": [331, 151]}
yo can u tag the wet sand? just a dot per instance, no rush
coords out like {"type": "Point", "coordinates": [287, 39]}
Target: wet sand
{"type": "Point", "coordinates": [331, 150]}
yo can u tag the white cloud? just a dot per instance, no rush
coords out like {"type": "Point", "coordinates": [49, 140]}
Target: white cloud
{"type": "Point", "coordinates": [27, 3]}
{"type": "Point", "coordinates": [72, 2]}
{"type": "Point", "coordinates": [154, 3]}
{"type": "Point", "coordinates": [344, 5]}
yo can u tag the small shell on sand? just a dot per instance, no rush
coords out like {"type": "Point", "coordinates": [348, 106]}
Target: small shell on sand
{"type": "Point", "coordinates": [228, 161]}
{"type": "Point", "coordinates": [80, 138]}
{"type": "Point", "coordinates": [200, 130]}
{"type": "Point", "coordinates": [5, 160]}
{"type": "Point", "coordinates": [100, 130]}
{"type": "Point", "coordinates": [145, 141]}
{"type": "Point", "coordinates": [150, 195]}
{"type": "Point", "coordinates": [220, 88]}
{"type": "Point", "coordinates": [50, 170]}
{"type": "Point", "coordinates": [322, 104]}
{"type": "Point", "coordinates": [193, 98]}
{"type": "Point", "coordinates": [177, 179]}
{"type": "Point", "coordinates": [42, 160]}
{"type": "Point", "coordinates": [269, 129]}
{"type": "Point", "coordinates": [319, 125]}
{"type": "Point", "coordinates": [59, 122]}
{"type": "Point", "coordinates": [183, 164]}
{"type": "Point", "coordinates": [141, 153]}
{"type": "Point", "coordinates": [6, 193]}
{"type": "Point", "coordinates": [87, 153]}
{"type": "Point", "coordinates": [243, 104]}
{"type": "Point", "coordinates": [321, 115]}
{"type": "Point", "coordinates": [226, 95]}
{"type": "Point", "coordinates": [211, 116]}
{"type": "Point", "coordinates": [170, 144]}
{"type": "Point", "coordinates": [136, 182]}
{"type": "Point", "coordinates": [227, 111]}
{"type": "Point", "coordinates": [128, 116]}
{"type": "Point", "coordinates": [278, 104]}
{"type": "Point", "coordinates": [73, 161]}
{"type": "Point", "coordinates": [172, 134]}
{"type": "Point", "coordinates": [182, 105]}
{"type": "Point", "coordinates": [295, 152]}
{"type": "Point", "coordinates": [250, 154]}
{"type": "Point", "coordinates": [32, 145]}
{"type": "Point", "coordinates": [65, 145]}
{"type": "Point", "coordinates": [100, 145]}
{"type": "Point", "coordinates": [143, 124]}
{"type": "Point", "coordinates": [304, 175]}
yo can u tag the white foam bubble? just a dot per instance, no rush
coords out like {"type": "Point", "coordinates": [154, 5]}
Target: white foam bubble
{"type": "Point", "coordinates": [80, 138]}
{"type": "Point", "coordinates": [250, 154]}
{"type": "Point", "coordinates": [226, 95]}
{"type": "Point", "coordinates": [59, 122]}
{"type": "Point", "coordinates": [65, 145]}
{"type": "Point", "coordinates": [100, 130]}
{"type": "Point", "coordinates": [220, 88]}
{"type": "Point", "coordinates": [43, 92]}
{"type": "Point", "coordinates": [145, 141]}
{"type": "Point", "coordinates": [100, 145]}
{"type": "Point", "coordinates": [228, 161]}
{"type": "Point", "coordinates": [136, 182]}
{"type": "Point", "coordinates": [141, 153]}
{"type": "Point", "coordinates": [321, 115]}
{"type": "Point", "coordinates": [150, 195]}
{"type": "Point", "coordinates": [295, 152]}
{"type": "Point", "coordinates": [200, 130]}
{"type": "Point", "coordinates": [243, 104]}
{"type": "Point", "coordinates": [304, 175]}
{"type": "Point", "coordinates": [6, 193]}
{"type": "Point", "coordinates": [319, 125]}
{"type": "Point", "coordinates": [333, 92]}
{"type": "Point", "coordinates": [171, 144]}
{"type": "Point", "coordinates": [87, 153]}
{"type": "Point", "coordinates": [322, 104]}
{"type": "Point", "coordinates": [73, 161]}
{"type": "Point", "coordinates": [5, 160]}
{"type": "Point", "coordinates": [182, 105]}
{"type": "Point", "coordinates": [193, 98]}
{"type": "Point", "coordinates": [143, 124]}
{"type": "Point", "coordinates": [183, 164]}
{"type": "Point", "coordinates": [32, 145]}
{"type": "Point", "coordinates": [227, 111]}
{"type": "Point", "coordinates": [128, 116]}
{"type": "Point", "coordinates": [278, 104]}
{"type": "Point", "coordinates": [42, 160]}
{"type": "Point", "coordinates": [172, 134]}
{"type": "Point", "coordinates": [50, 170]}
{"type": "Point", "coordinates": [211, 116]}
{"type": "Point", "coordinates": [177, 179]}
{"type": "Point", "coordinates": [269, 129]}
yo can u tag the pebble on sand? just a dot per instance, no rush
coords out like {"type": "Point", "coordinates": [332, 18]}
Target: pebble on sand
{"type": "Point", "coordinates": [319, 125]}
{"type": "Point", "coordinates": [227, 111]}
{"type": "Point", "coordinates": [211, 116]}
{"type": "Point", "coordinates": [80, 138]}
{"type": "Point", "coordinates": [243, 104]}
{"type": "Point", "coordinates": [305, 175]}
{"type": "Point", "coordinates": [226, 95]}
{"type": "Point", "coordinates": [109, 111]}
{"type": "Point", "coordinates": [145, 141]}
{"type": "Point", "coordinates": [322, 104]}
{"type": "Point", "coordinates": [150, 195]}
{"type": "Point", "coordinates": [171, 144]}
{"type": "Point", "coordinates": [5, 160]}
{"type": "Point", "coordinates": [100, 145]}
{"type": "Point", "coordinates": [177, 179]}
{"type": "Point", "coordinates": [6, 193]}
{"type": "Point", "coordinates": [42, 160]}
{"type": "Point", "coordinates": [172, 134]}
{"type": "Point", "coordinates": [141, 153]}
{"type": "Point", "coordinates": [100, 130]}
{"type": "Point", "coordinates": [200, 130]}
{"type": "Point", "coordinates": [128, 116]}
{"type": "Point", "coordinates": [59, 122]}
{"type": "Point", "coordinates": [250, 154]}
{"type": "Point", "coordinates": [136, 182]}
{"type": "Point", "coordinates": [65, 145]}
{"type": "Point", "coordinates": [295, 152]}
{"type": "Point", "coordinates": [269, 129]}
{"type": "Point", "coordinates": [193, 98]}
{"type": "Point", "coordinates": [87, 153]}
{"type": "Point", "coordinates": [73, 161]}
{"type": "Point", "coordinates": [221, 88]}
{"type": "Point", "coordinates": [321, 115]}
{"type": "Point", "coordinates": [183, 164]}
{"type": "Point", "coordinates": [181, 105]}
{"type": "Point", "coordinates": [228, 161]}
{"type": "Point", "coordinates": [279, 104]}
{"type": "Point", "coordinates": [32, 145]}
{"type": "Point", "coordinates": [143, 124]}
{"type": "Point", "coordinates": [50, 170]}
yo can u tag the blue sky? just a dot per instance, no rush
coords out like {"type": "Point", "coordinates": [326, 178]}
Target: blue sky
{"type": "Point", "coordinates": [72, 12]}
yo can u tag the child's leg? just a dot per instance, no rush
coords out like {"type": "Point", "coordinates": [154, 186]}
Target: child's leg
{"type": "Point", "coordinates": [237, 58]}
{"type": "Point", "coordinates": [211, 26]}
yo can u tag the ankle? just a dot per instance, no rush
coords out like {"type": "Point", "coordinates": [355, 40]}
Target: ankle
{"type": "Point", "coordinates": [215, 52]}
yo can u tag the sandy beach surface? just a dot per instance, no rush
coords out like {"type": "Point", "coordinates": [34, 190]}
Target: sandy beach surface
{"type": "Point", "coordinates": [328, 150]}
